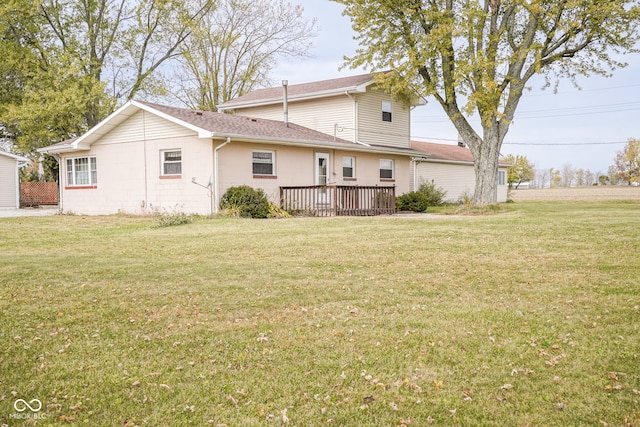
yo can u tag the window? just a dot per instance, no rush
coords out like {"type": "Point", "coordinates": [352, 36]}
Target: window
{"type": "Point", "coordinates": [171, 162]}
{"type": "Point", "coordinates": [82, 172]}
{"type": "Point", "coordinates": [386, 111]}
{"type": "Point", "coordinates": [502, 178]}
{"type": "Point", "coordinates": [264, 163]}
{"type": "Point", "coordinates": [386, 169]}
{"type": "Point", "coordinates": [348, 167]}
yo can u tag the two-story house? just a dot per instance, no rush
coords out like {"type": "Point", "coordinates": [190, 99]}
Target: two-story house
{"type": "Point", "coordinates": [338, 133]}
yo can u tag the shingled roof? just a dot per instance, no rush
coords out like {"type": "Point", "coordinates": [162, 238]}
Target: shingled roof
{"type": "Point", "coordinates": [235, 125]}
{"type": "Point", "coordinates": [301, 91]}
{"type": "Point", "coordinates": [446, 152]}
{"type": "Point", "coordinates": [209, 124]}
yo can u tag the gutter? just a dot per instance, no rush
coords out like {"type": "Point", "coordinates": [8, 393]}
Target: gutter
{"type": "Point", "coordinates": [216, 172]}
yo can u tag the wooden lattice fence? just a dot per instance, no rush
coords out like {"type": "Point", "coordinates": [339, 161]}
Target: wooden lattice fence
{"type": "Point", "coordinates": [38, 194]}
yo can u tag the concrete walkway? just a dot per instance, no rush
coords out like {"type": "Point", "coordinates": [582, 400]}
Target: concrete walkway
{"type": "Point", "coordinates": [43, 211]}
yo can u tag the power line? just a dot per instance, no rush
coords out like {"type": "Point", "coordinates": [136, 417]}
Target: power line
{"type": "Point", "coordinates": [541, 144]}
{"type": "Point", "coordinates": [522, 115]}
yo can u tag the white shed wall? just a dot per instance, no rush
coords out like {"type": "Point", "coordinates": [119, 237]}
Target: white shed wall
{"type": "Point", "coordinates": [9, 190]}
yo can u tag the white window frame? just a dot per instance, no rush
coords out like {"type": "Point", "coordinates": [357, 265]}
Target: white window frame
{"type": "Point", "coordinates": [164, 162]}
{"type": "Point", "coordinates": [352, 165]}
{"type": "Point", "coordinates": [502, 177]}
{"type": "Point", "coordinates": [392, 169]}
{"type": "Point", "coordinates": [75, 174]}
{"type": "Point", "coordinates": [255, 161]}
{"type": "Point", "coordinates": [387, 112]}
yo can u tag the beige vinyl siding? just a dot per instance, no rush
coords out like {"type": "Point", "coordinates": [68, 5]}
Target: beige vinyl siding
{"type": "Point", "coordinates": [143, 125]}
{"type": "Point", "coordinates": [373, 130]}
{"type": "Point", "coordinates": [8, 182]}
{"type": "Point", "coordinates": [321, 114]}
{"type": "Point", "coordinates": [458, 180]}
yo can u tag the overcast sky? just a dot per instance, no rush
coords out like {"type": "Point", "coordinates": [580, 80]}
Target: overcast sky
{"type": "Point", "coordinates": [582, 127]}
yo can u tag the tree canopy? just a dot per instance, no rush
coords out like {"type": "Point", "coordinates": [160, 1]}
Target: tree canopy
{"type": "Point", "coordinates": [521, 170]}
{"type": "Point", "coordinates": [476, 57]}
{"type": "Point", "coordinates": [66, 64]}
{"type": "Point", "coordinates": [234, 49]}
{"type": "Point", "coordinates": [627, 162]}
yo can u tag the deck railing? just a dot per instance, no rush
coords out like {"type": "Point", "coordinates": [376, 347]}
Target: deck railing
{"type": "Point", "coordinates": [331, 200]}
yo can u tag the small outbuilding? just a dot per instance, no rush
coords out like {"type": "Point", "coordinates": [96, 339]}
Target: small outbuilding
{"type": "Point", "coordinates": [9, 179]}
{"type": "Point", "coordinates": [451, 167]}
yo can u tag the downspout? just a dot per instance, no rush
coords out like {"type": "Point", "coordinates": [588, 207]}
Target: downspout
{"type": "Point", "coordinates": [416, 161]}
{"type": "Point", "coordinates": [216, 174]}
{"type": "Point", "coordinates": [355, 119]}
{"type": "Point", "coordinates": [60, 183]}
{"type": "Point", "coordinates": [19, 165]}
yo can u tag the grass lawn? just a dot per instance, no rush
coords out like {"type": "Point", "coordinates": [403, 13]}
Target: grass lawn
{"type": "Point", "coordinates": [526, 317]}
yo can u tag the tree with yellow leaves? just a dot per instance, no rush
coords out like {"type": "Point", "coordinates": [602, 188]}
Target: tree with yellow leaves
{"type": "Point", "coordinates": [476, 56]}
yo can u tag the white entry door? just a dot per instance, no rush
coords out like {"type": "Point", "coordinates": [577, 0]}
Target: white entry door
{"type": "Point", "coordinates": [322, 169]}
{"type": "Point", "coordinates": [322, 178]}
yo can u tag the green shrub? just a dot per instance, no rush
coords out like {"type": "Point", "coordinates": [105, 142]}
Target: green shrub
{"type": "Point", "coordinates": [435, 196]}
{"type": "Point", "coordinates": [414, 201]}
{"type": "Point", "coordinates": [246, 202]}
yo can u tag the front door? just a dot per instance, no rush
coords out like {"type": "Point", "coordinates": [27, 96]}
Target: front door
{"type": "Point", "coordinates": [322, 178]}
{"type": "Point", "coordinates": [322, 169]}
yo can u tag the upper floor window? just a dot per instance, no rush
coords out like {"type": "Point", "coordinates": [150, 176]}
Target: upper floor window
{"type": "Point", "coordinates": [171, 162]}
{"type": "Point", "coordinates": [82, 172]}
{"type": "Point", "coordinates": [386, 169]}
{"type": "Point", "coordinates": [386, 111]}
{"type": "Point", "coordinates": [264, 163]}
{"type": "Point", "coordinates": [348, 167]}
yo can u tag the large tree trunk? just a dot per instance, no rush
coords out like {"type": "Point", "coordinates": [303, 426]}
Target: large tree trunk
{"type": "Point", "coordinates": [486, 155]}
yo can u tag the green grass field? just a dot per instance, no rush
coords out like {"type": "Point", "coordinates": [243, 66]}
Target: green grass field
{"type": "Point", "coordinates": [526, 317]}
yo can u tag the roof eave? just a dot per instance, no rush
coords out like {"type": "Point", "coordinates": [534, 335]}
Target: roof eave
{"type": "Point", "coordinates": [317, 144]}
{"type": "Point", "coordinates": [362, 88]}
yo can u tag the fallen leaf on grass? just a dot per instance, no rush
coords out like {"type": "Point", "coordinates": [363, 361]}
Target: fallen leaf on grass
{"type": "Point", "coordinates": [167, 387]}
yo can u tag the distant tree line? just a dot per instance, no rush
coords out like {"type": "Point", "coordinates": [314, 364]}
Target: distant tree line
{"type": "Point", "coordinates": [624, 171]}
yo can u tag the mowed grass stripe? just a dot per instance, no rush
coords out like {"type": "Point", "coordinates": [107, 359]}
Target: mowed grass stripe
{"type": "Point", "coordinates": [528, 316]}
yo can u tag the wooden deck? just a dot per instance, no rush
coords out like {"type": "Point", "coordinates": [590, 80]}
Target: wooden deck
{"type": "Point", "coordinates": [336, 200]}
